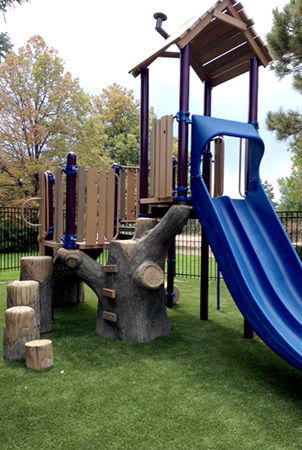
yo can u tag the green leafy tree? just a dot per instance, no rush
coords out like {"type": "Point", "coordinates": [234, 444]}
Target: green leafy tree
{"type": "Point", "coordinates": [42, 109]}
{"type": "Point", "coordinates": [119, 114]}
{"type": "Point", "coordinates": [285, 42]}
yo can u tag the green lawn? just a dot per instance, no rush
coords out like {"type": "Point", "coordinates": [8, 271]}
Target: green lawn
{"type": "Point", "coordinates": [203, 387]}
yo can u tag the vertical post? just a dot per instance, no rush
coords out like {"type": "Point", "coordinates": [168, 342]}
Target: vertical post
{"type": "Point", "coordinates": [117, 168]}
{"type": "Point", "coordinates": [170, 275]}
{"type": "Point", "coordinates": [183, 132]}
{"type": "Point", "coordinates": [171, 258]}
{"type": "Point", "coordinates": [253, 92]}
{"type": "Point", "coordinates": [206, 174]}
{"type": "Point", "coordinates": [253, 118]}
{"type": "Point", "coordinates": [182, 172]}
{"type": "Point", "coordinates": [49, 219]}
{"type": "Point", "coordinates": [71, 172]}
{"type": "Point", "coordinates": [218, 288]}
{"type": "Point", "coordinates": [144, 133]}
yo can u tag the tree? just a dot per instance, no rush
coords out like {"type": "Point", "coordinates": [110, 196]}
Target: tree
{"type": "Point", "coordinates": [118, 113]}
{"type": "Point", "coordinates": [41, 111]}
{"type": "Point", "coordinates": [285, 42]}
{"type": "Point", "coordinates": [131, 301]}
{"type": "Point", "coordinates": [5, 43]}
{"type": "Point", "coordinates": [269, 190]}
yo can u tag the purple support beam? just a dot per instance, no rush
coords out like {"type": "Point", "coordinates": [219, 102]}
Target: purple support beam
{"type": "Point", "coordinates": [183, 132]}
{"type": "Point", "coordinates": [71, 172]}
{"type": "Point", "coordinates": [253, 118]}
{"type": "Point", "coordinates": [144, 139]}
{"type": "Point", "coordinates": [50, 183]}
{"type": "Point", "coordinates": [253, 92]}
{"type": "Point", "coordinates": [206, 174]}
{"type": "Point", "coordinates": [171, 257]}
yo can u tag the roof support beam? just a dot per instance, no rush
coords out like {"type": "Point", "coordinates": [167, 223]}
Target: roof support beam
{"type": "Point", "coordinates": [258, 53]}
{"type": "Point", "coordinates": [236, 23]}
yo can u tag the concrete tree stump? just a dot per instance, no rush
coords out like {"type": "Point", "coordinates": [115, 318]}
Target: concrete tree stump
{"type": "Point", "coordinates": [25, 293]}
{"type": "Point", "coordinates": [38, 354]}
{"type": "Point", "coordinates": [40, 269]}
{"type": "Point", "coordinates": [130, 289]}
{"type": "Point", "coordinates": [19, 329]}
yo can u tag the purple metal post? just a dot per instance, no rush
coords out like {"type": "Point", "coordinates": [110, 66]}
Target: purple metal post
{"type": "Point", "coordinates": [206, 170]}
{"type": "Point", "coordinates": [248, 332]}
{"type": "Point", "coordinates": [50, 182]}
{"type": "Point", "coordinates": [171, 257]}
{"type": "Point", "coordinates": [144, 138]}
{"type": "Point", "coordinates": [183, 132]}
{"type": "Point", "coordinates": [71, 172]}
{"type": "Point", "coordinates": [253, 92]}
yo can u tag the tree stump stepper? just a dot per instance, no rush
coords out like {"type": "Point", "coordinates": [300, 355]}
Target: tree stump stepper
{"type": "Point", "coordinates": [19, 329]}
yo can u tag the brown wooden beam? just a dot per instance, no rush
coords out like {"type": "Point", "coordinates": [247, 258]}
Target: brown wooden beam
{"type": "Point", "coordinates": [236, 23]}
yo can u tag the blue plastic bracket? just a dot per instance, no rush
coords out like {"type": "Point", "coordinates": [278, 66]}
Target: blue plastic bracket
{"type": "Point", "coordinates": [183, 116]}
{"type": "Point", "coordinates": [70, 169]}
{"type": "Point", "coordinates": [69, 241]}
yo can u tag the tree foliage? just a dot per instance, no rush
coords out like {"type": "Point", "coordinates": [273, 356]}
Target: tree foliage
{"type": "Point", "coordinates": [118, 112]}
{"type": "Point", "coordinates": [41, 111]}
{"type": "Point", "coordinates": [285, 42]}
{"type": "Point", "coordinates": [269, 190]}
{"type": "Point", "coordinates": [44, 114]}
{"type": "Point", "coordinates": [6, 4]}
{"type": "Point", "coordinates": [5, 43]}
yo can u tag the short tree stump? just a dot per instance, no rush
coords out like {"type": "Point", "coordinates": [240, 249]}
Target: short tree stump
{"type": "Point", "coordinates": [38, 354]}
{"type": "Point", "coordinates": [25, 293]}
{"type": "Point", "coordinates": [19, 329]}
{"type": "Point", "coordinates": [40, 269]}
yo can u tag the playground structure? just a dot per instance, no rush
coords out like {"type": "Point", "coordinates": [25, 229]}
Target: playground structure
{"type": "Point", "coordinates": [256, 259]}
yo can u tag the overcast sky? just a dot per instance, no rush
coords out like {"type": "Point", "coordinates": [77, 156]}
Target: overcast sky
{"type": "Point", "coordinates": [100, 41]}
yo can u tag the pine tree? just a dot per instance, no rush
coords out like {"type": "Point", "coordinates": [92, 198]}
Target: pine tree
{"type": "Point", "coordinates": [285, 42]}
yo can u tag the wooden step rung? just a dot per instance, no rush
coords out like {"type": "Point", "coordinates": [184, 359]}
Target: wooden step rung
{"type": "Point", "coordinates": [111, 317]}
{"type": "Point", "coordinates": [110, 268]}
{"type": "Point", "coordinates": [109, 293]}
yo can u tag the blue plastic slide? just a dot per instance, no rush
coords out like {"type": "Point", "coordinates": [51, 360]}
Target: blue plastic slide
{"type": "Point", "coordinates": [259, 265]}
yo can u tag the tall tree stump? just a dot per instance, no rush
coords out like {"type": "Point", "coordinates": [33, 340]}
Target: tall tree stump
{"type": "Point", "coordinates": [25, 293]}
{"type": "Point", "coordinates": [19, 329]}
{"type": "Point", "coordinates": [38, 354]}
{"type": "Point", "coordinates": [40, 269]}
{"type": "Point", "coordinates": [130, 289]}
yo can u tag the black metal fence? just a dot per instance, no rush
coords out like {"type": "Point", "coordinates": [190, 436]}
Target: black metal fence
{"type": "Point", "coordinates": [18, 239]}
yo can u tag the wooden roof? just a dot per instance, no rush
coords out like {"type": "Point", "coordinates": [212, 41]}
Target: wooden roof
{"type": "Point", "coordinates": [222, 42]}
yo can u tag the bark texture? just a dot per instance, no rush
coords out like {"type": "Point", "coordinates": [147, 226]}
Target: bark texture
{"type": "Point", "coordinates": [38, 354]}
{"type": "Point", "coordinates": [19, 329]}
{"type": "Point", "coordinates": [130, 289]}
{"type": "Point", "coordinates": [25, 293]}
{"type": "Point", "coordinates": [40, 269]}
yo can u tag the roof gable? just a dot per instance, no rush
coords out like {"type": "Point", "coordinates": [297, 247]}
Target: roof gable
{"type": "Point", "coordinates": [222, 42]}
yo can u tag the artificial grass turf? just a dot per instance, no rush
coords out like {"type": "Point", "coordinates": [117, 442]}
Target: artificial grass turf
{"type": "Point", "coordinates": [202, 387]}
